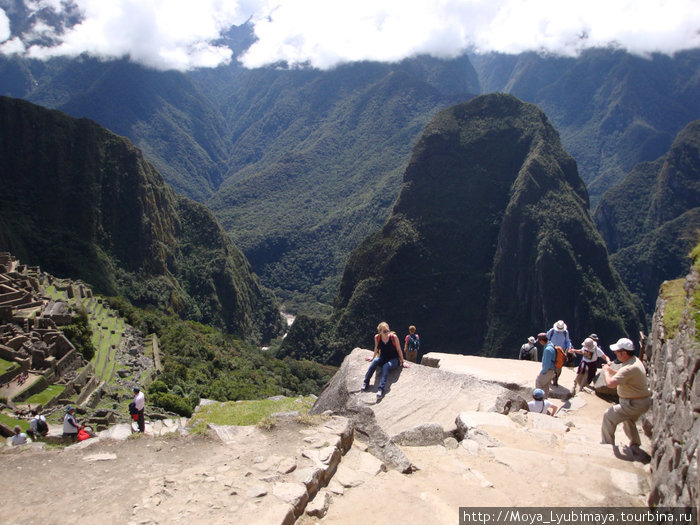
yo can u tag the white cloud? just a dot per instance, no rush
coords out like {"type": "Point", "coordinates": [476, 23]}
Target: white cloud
{"type": "Point", "coordinates": [182, 34]}
{"type": "Point", "coordinates": [4, 26]}
{"type": "Point", "coordinates": [164, 34]}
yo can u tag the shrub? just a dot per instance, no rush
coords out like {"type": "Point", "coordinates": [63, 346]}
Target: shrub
{"type": "Point", "coordinates": [172, 403]}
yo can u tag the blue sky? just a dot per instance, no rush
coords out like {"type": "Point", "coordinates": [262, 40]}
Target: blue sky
{"type": "Point", "coordinates": [182, 34]}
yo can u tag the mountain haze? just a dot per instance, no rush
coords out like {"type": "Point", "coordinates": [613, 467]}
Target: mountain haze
{"type": "Point", "coordinates": [81, 201]}
{"type": "Point", "coordinates": [489, 241]}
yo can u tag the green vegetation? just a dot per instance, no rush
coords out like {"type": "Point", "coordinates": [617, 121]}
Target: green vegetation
{"type": "Point", "coordinates": [247, 412]}
{"type": "Point", "coordinates": [695, 304]}
{"type": "Point", "coordinates": [674, 295]}
{"type": "Point", "coordinates": [46, 395]}
{"type": "Point", "coordinates": [80, 334]}
{"type": "Point", "coordinates": [202, 362]}
{"type": "Point", "coordinates": [649, 219]}
{"type": "Point", "coordinates": [489, 239]}
{"type": "Point", "coordinates": [11, 422]}
{"type": "Point", "coordinates": [6, 366]}
{"type": "Point", "coordinates": [103, 214]}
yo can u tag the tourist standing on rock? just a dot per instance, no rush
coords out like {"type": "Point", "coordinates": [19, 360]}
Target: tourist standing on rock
{"type": "Point", "coordinates": [559, 336]}
{"type": "Point", "coordinates": [20, 438]}
{"type": "Point", "coordinates": [140, 405]}
{"type": "Point", "coordinates": [548, 372]}
{"type": "Point", "coordinates": [528, 352]}
{"type": "Point", "coordinates": [411, 345]}
{"type": "Point", "coordinates": [633, 390]}
{"type": "Point", "coordinates": [387, 354]}
{"type": "Point", "coordinates": [541, 405]}
{"type": "Point", "coordinates": [70, 425]}
{"type": "Point", "coordinates": [588, 366]}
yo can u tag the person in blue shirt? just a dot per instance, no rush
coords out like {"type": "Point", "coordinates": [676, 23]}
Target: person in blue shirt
{"type": "Point", "coordinates": [559, 336]}
{"type": "Point", "coordinates": [548, 372]}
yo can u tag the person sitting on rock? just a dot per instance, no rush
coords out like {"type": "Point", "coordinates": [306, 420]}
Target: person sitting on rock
{"type": "Point", "coordinates": [20, 438]}
{"type": "Point", "coordinates": [588, 366]}
{"type": "Point", "coordinates": [387, 354]}
{"type": "Point", "coordinates": [541, 405]}
{"type": "Point", "coordinates": [632, 389]}
{"type": "Point", "coordinates": [549, 355]}
{"type": "Point", "coordinates": [37, 426]}
{"type": "Point", "coordinates": [70, 424]}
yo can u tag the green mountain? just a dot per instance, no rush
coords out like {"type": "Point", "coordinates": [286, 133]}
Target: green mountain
{"type": "Point", "coordinates": [612, 109]}
{"type": "Point", "coordinates": [489, 241]}
{"type": "Point", "coordinates": [81, 201]}
{"type": "Point", "coordinates": [300, 165]}
{"type": "Point", "coordinates": [650, 221]}
{"type": "Point", "coordinates": [316, 164]}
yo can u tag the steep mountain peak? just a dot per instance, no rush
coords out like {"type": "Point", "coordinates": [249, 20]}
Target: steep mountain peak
{"type": "Point", "coordinates": [490, 240]}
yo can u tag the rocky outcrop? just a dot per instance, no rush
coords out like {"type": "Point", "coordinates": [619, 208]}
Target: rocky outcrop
{"type": "Point", "coordinates": [675, 381]}
{"type": "Point", "coordinates": [489, 239]}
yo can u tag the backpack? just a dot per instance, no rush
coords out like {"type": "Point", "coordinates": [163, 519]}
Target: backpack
{"type": "Point", "coordinates": [41, 426]}
{"type": "Point", "coordinates": [413, 343]}
{"type": "Point", "coordinates": [526, 351]}
{"type": "Point", "coordinates": [561, 357]}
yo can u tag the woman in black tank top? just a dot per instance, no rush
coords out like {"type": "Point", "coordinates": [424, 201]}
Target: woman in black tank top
{"type": "Point", "coordinates": [387, 354]}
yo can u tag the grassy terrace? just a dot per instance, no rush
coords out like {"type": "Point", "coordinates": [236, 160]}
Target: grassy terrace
{"type": "Point", "coordinates": [45, 395]}
{"type": "Point", "coordinates": [6, 365]}
{"type": "Point", "coordinates": [107, 328]}
{"type": "Point", "coordinates": [247, 412]}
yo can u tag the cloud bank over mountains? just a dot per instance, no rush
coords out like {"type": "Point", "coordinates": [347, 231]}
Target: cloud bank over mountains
{"type": "Point", "coordinates": [186, 34]}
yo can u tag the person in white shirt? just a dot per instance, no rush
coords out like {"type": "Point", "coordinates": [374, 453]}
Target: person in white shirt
{"type": "Point", "coordinates": [588, 366]}
{"type": "Point", "coordinates": [541, 405]}
{"type": "Point", "coordinates": [37, 426]}
{"type": "Point", "coordinates": [140, 404]}
{"type": "Point", "coordinates": [70, 424]}
{"type": "Point", "coordinates": [20, 438]}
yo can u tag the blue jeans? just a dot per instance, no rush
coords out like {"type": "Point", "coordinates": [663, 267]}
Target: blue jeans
{"type": "Point", "coordinates": [389, 365]}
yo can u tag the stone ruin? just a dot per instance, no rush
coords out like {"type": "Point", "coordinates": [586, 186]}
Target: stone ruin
{"type": "Point", "coordinates": [29, 334]}
{"type": "Point", "coordinates": [30, 338]}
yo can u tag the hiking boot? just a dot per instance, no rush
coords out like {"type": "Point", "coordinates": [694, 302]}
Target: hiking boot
{"type": "Point", "coordinates": [364, 387]}
{"type": "Point", "coordinates": [380, 394]}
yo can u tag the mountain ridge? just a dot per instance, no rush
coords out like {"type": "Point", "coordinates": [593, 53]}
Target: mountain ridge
{"type": "Point", "coordinates": [80, 200]}
{"type": "Point", "coordinates": [490, 240]}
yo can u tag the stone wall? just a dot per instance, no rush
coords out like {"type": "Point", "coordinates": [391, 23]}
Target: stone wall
{"type": "Point", "coordinates": [675, 381]}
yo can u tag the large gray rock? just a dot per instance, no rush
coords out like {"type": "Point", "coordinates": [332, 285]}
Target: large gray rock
{"type": "Point", "coordinates": [420, 436]}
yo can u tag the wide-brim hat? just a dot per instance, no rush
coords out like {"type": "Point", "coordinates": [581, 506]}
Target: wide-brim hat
{"type": "Point", "coordinates": [531, 340]}
{"type": "Point", "coordinates": [559, 326]}
{"type": "Point", "coordinates": [589, 344]}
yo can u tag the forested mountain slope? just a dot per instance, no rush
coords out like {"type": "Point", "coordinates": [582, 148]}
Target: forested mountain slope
{"type": "Point", "coordinates": [490, 240]}
{"type": "Point", "coordinates": [651, 220]}
{"type": "Point", "coordinates": [81, 201]}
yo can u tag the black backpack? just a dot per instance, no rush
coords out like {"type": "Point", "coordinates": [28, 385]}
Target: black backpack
{"type": "Point", "coordinates": [41, 426]}
{"type": "Point", "coordinates": [526, 351]}
{"type": "Point", "coordinates": [413, 342]}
